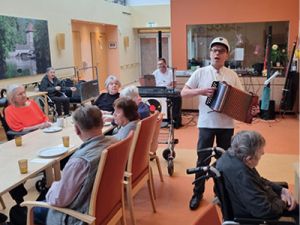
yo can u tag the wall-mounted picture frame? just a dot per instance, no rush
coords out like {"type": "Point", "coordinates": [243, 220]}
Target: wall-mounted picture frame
{"type": "Point", "coordinates": [112, 44]}
{"type": "Point", "coordinates": [24, 47]}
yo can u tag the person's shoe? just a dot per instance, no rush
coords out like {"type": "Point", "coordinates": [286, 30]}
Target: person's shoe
{"type": "Point", "coordinates": [195, 201]}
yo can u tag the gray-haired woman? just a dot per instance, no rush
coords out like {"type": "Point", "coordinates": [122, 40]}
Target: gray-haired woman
{"type": "Point", "coordinates": [105, 100]}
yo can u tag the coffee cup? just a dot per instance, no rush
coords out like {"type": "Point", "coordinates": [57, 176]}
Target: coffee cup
{"type": "Point", "coordinates": [60, 122]}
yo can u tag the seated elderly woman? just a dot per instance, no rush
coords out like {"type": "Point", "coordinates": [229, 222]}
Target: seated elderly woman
{"type": "Point", "coordinates": [132, 92]}
{"type": "Point", "coordinates": [23, 114]}
{"type": "Point", "coordinates": [105, 100]}
{"type": "Point", "coordinates": [125, 116]}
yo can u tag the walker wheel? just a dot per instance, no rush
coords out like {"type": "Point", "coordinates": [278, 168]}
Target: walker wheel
{"type": "Point", "coordinates": [170, 167]}
{"type": "Point", "coordinates": [167, 152]}
{"type": "Point", "coordinates": [40, 185]}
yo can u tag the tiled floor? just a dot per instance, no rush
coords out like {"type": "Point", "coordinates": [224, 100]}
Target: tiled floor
{"type": "Point", "coordinates": [282, 151]}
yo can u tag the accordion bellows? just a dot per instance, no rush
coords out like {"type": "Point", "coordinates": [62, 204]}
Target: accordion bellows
{"type": "Point", "coordinates": [232, 101]}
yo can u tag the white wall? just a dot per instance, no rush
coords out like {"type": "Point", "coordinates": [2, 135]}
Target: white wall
{"type": "Point", "coordinates": [158, 14]}
{"type": "Point", "coordinates": [59, 14]}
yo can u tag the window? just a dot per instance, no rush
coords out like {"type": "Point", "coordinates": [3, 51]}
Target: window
{"type": "Point", "coordinates": [247, 42]}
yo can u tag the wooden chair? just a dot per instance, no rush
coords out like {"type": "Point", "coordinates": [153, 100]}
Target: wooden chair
{"type": "Point", "coordinates": [107, 199]}
{"type": "Point", "coordinates": [154, 145]}
{"type": "Point", "coordinates": [138, 169]}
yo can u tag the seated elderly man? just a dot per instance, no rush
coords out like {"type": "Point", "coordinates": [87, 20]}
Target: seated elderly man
{"type": "Point", "coordinates": [250, 194]}
{"type": "Point", "coordinates": [74, 189]}
{"type": "Point", "coordinates": [55, 89]}
{"type": "Point", "coordinates": [132, 92]}
{"type": "Point", "coordinates": [23, 114]}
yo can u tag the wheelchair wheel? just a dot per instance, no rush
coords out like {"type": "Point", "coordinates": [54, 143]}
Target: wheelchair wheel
{"type": "Point", "coordinates": [170, 167]}
{"type": "Point", "coordinates": [167, 152]}
{"type": "Point", "coordinates": [40, 185]}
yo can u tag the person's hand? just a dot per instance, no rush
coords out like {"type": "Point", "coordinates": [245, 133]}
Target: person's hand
{"type": "Point", "coordinates": [58, 88]}
{"type": "Point", "coordinates": [209, 92]}
{"type": "Point", "coordinates": [255, 110]}
{"type": "Point", "coordinates": [46, 124]}
{"type": "Point", "coordinates": [172, 84]}
{"type": "Point", "coordinates": [73, 89]}
{"type": "Point", "coordinates": [105, 112]}
{"type": "Point", "coordinates": [107, 118]}
{"type": "Point", "coordinates": [288, 198]}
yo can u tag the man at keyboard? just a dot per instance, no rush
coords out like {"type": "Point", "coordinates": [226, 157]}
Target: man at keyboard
{"type": "Point", "coordinates": [211, 124]}
{"type": "Point", "coordinates": [163, 75]}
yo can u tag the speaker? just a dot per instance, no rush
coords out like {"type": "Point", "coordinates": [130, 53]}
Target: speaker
{"type": "Point", "coordinates": [270, 113]}
{"type": "Point", "coordinates": [60, 41]}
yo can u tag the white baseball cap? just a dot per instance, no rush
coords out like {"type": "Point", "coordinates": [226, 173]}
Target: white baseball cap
{"type": "Point", "coordinates": [222, 41]}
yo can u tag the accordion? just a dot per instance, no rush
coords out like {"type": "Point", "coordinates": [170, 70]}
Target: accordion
{"type": "Point", "coordinates": [232, 101]}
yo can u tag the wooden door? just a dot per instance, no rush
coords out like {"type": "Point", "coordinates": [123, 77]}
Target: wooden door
{"type": "Point", "coordinates": [99, 56]}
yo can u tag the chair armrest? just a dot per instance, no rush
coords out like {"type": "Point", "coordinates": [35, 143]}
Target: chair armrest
{"type": "Point", "coordinates": [83, 217]}
{"type": "Point", "coordinates": [17, 133]}
{"type": "Point", "coordinates": [280, 221]}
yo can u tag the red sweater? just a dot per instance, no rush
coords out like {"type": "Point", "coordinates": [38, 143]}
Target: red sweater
{"type": "Point", "coordinates": [19, 118]}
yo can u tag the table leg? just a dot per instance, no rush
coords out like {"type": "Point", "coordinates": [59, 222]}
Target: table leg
{"type": "Point", "coordinates": [57, 174]}
{"type": "Point", "coordinates": [2, 203]}
{"type": "Point", "coordinates": [49, 176]}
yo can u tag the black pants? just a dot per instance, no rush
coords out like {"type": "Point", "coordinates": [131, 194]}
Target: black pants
{"type": "Point", "coordinates": [59, 102]}
{"type": "Point", "coordinates": [206, 140]}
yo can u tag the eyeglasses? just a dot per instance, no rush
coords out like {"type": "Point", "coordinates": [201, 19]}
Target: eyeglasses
{"type": "Point", "coordinates": [220, 50]}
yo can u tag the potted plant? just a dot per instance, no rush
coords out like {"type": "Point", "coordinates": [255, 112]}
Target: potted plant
{"type": "Point", "coordinates": [278, 55]}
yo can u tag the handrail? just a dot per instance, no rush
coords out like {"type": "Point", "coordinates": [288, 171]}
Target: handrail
{"type": "Point", "coordinates": [86, 68]}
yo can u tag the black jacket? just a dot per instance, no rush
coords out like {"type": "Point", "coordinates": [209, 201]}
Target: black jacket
{"type": "Point", "coordinates": [48, 86]}
{"type": "Point", "coordinates": [250, 194]}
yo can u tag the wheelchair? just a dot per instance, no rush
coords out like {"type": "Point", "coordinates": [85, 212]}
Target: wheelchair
{"type": "Point", "coordinates": [223, 198]}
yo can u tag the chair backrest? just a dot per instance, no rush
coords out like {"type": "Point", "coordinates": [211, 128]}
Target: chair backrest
{"type": "Point", "coordinates": [148, 80]}
{"type": "Point", "coordinates": [107, 191]}
{"type": "Point", "coordinates": [3, 105]}
{"type": "Point", "coordinates": [138, 162]}
{"type": "Point", "coordinates": [154, 143]}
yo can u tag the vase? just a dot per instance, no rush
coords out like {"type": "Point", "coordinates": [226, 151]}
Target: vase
{"type": "Point", "coordinates": [277, 64]}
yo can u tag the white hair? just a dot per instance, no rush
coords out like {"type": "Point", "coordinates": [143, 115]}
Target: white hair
{"type": "Point", "coordinates": [131, 92]}
{"type": "Point", "coordinates": [111, 78]}
{"type": "Point", "coordinates": [246, 143]}
{"type": "Point", "coordinates": [11, 91]}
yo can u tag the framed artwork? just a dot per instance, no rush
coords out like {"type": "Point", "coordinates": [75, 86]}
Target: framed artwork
{"type": "Point", "coordinates": [24, 48]}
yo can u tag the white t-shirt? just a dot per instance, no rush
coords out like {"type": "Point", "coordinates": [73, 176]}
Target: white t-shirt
{"type": "Point", "coordinates": [163, 79]}
{"type": "Point", "coordinates": [203, 78]}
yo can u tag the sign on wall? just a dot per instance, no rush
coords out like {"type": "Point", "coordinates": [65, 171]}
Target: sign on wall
{"type": "Point", "coordinates": [24, 48]}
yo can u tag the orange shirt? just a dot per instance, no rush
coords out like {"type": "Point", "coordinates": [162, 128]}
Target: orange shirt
{"type": "Point", "coordinates": [18, 118]}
